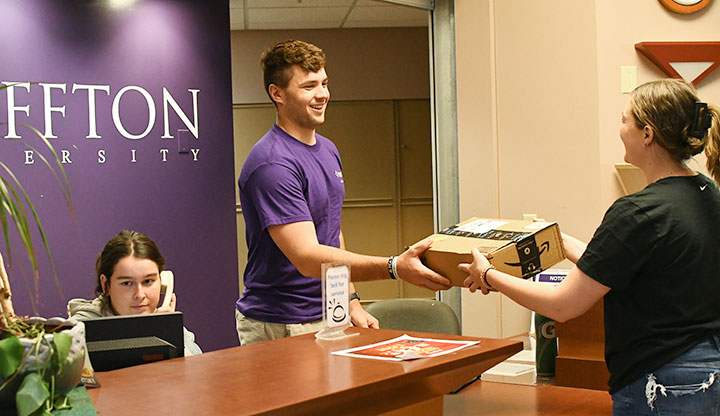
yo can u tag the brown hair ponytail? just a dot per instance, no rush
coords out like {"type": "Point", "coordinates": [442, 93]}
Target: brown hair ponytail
{"type": "Point", "coordinates": [712, 147]}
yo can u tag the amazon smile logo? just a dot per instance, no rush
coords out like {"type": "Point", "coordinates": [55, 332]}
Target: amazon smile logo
{"type": "Point", "coordinates": [527, 251]}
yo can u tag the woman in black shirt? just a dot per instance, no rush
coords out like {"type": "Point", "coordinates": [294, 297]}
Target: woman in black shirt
{"type": "Point", "coordinates": [655, 261]}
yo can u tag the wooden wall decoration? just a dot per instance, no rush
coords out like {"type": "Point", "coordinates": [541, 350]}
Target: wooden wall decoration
{"type": "Point", "coordinates": [691, 61]}
{"type": "Point", "coordinates": [632, 179]}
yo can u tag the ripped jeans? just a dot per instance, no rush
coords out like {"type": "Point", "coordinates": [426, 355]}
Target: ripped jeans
{"type": "Point", "coordinates": [688, 385]}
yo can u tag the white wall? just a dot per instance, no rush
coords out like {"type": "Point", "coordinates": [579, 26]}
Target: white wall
{"type": "Point", "coordinates": [539, 104]}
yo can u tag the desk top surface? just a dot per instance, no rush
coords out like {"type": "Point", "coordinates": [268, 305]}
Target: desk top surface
{"type": "Point", "coordinates": [297, 372]}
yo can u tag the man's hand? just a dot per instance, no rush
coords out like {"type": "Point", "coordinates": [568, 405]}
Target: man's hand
{"type": "Point", "coordinates": [411, 269]}
{"type": "Point", "coordinates": [360, 317]}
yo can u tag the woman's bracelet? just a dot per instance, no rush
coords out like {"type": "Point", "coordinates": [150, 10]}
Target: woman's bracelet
{"type": "Point", "coordinates": [483, 277]}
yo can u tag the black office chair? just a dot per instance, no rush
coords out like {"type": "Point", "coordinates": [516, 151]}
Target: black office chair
{"type": "Point", "coordinates": [423, 315]}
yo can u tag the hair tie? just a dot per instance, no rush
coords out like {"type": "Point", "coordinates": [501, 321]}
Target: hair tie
{"type": "Point", "coordinates": [702, 120]}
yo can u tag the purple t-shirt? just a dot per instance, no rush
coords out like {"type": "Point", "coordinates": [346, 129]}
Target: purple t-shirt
{"type": "Point", "coordinates": [284, 181]}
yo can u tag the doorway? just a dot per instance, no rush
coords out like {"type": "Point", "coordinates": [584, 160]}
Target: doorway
{"type": "Point", "coordinates": [382, 117]}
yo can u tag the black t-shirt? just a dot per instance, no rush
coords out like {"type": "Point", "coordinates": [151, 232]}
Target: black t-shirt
{"type": "Point", "coordinates": [659, 252]}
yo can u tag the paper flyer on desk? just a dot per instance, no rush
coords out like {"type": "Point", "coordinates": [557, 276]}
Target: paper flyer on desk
{"type": "Point", "coordinates": [406, 347]}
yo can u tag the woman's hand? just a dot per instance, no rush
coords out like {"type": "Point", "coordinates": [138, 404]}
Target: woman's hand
{"type": "Point", "coordinates": [476, 270]}
{"type": "Point", "coordinates": [574, 248]}
{"type": "Point", "coordinates": [170, 307]}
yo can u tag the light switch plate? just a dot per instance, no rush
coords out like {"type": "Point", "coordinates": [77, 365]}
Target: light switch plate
{"type": "Point", "coordinates": [183, 138]}
{"type": "Point", "coordinates": [628, 79]}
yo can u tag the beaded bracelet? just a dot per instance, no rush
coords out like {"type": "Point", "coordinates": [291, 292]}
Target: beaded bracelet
{"type": "Point", "coordinates": [483, 277]}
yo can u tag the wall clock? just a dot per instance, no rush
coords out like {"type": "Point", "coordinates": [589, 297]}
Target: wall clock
{"type": "Point", "coordinates": [685, 6]}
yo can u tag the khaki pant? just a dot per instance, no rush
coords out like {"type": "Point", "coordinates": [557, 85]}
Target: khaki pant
{"type": "Point", "coordinates": [251, 331]}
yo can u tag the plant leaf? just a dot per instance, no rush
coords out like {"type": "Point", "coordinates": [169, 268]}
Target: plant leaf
{"type": "Point", "coordinates": [31, 395]}
{"type": "Point", "coordinates": [62, 342]}
{"type": "Point", "coordinates": [62, 402]}
{"type": "Point", "coordinates": [14, 206]}
{"type": "Point", "coordinates": [63, 184]}
{"type": "Point", "coordinates": [3, 219]}
{"type": "Point", "coordinates": [11, 352]}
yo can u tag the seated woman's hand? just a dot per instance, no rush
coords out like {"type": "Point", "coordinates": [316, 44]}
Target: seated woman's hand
{"type": "Point", "coordinates": [170, 307]}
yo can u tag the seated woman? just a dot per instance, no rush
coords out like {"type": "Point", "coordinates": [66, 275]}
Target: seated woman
{"type": "Point", "coordinates": [128, 282]}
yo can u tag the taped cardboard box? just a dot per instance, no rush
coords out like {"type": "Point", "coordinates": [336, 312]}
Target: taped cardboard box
{"type": "Point", "coordinates": [519, 248]}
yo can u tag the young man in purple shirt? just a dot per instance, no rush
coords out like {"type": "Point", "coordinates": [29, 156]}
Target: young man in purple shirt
{"type": "Point", "coordinates": [291, 192]}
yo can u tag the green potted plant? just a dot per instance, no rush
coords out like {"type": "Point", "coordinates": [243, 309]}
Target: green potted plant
{"type": "Point", "coordinates": [40, 359]}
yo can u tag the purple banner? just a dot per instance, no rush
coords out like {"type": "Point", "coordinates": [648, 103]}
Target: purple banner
{"type": "Point", "coordinates": [135, 96]}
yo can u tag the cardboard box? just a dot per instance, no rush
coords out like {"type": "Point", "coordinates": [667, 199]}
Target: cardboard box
{"type": "Point", "coordinates": [519, 248]}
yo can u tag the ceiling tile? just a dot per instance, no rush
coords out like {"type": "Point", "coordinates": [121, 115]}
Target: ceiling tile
{"type": "Point", "coordinates": [383, 23]}
{"type": "Point", "coordinates": [362, 3]}
{"type": "Point", "coordinates": [296, 18]}
{"type": "Point", "coordinates": [425, 4]}
{"type": "Point", "coordinates": [292, 26]}
{"type": "Point", "coordinates": [322, 14]}
{"type": "Point", "coordinates": [396, 16]}
{"type": "Point", "coordinates": [261, 4]}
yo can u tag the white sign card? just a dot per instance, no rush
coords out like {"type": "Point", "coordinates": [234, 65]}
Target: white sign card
{"type": "Point", "coordinates": [336, 306]}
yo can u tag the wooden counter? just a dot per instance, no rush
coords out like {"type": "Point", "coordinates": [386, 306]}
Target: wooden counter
{"type": "Point", "coordinates": [295, 375]}
{"type": "Point", "coordinates": [486, 398]}
{"type": "Point", "coordinates": [581, 351]}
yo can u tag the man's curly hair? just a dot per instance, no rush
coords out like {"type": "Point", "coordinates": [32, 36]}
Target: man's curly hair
{"type": "Point", "coordinates": [277, 60]}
